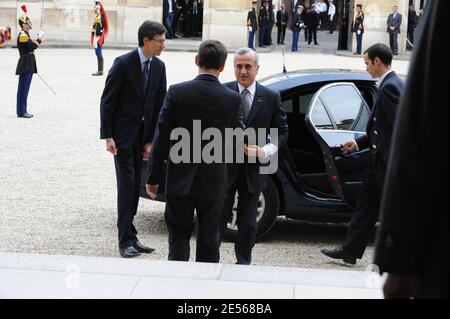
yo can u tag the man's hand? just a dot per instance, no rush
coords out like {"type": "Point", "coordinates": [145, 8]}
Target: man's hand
{"type": "Point", "coordinates": [254, 151]}
{"type": "Point", "coordinates": [111, 146]}
{"type": "Point", "coordinates": [348, 147]}
{"type": "Point", "coordinates": [152, 190]}
{"type": "Point", "coordinates": [147, 149]}
{"type": "Point", "coordinates": [40, 34]}
{"type": "Point", "coordinates": [400, 287]}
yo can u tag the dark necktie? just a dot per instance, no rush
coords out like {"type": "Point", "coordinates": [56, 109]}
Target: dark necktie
{"type": "Point", "coordinates": [146, 72]}
{"type": "Point", "coordinates": [246, 103]}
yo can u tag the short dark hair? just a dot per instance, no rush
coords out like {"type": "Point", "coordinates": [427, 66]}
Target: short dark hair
{"type": "Point", "coordinates": [381, 51]}
{"type": "Point", "coordinates": [149, 29]}
{"type": "Point", "coordinates": [212, 54]}
{"type": "Point", "coordinates": [359, 5]}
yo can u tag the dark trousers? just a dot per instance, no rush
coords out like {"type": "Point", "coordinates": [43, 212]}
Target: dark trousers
{"type": "Point", "coordinates": [312, 32]}
{"type": "Point", "coordinates": [393, 41]}
{"type": "Point", "coordinates": [22, 93]}
{"type": "Point", "coordinates": [179, 216]}
{"type": "Point", "coordinates": [331, 26]}
{"type": "Point", "coordinates": [281, 34]}
{"type": "Point", "coordinates": [295, 38]}
{"type": "Point", "coordinates": [306, 34]}
{"type": "Point", "coordinates": [128, 163]}
{"type": "Point", "coordinates": [251, 39]}
{"type": "Point", "coordinates": [359, 42]}
{"type": "Point", "coordinates": [268, 36]}
{"type": "Point", "coordinates": [365, 213]}
{"type": "Point", "coordinates": [410, 38]}
{"type": "Point", "coordinates": [262, 35]}
{"type": "Point", "coordinates": [246, 218]}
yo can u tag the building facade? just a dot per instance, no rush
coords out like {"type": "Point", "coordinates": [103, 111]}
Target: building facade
{"type": "Point", "coordinates": [224, 20]}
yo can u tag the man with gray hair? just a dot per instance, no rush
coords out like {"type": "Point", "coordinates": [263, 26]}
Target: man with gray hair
{"type": "Point", "coordinates": [261, 109]}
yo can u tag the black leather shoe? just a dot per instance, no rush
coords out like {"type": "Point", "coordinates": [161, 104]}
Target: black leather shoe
{"type": "Point", "coordinates": [128, 252]}
{"type": "Point", "coordinates": [98, 73]}
{"type": "Point", "coordinates": [141, 248]}
{"type": "Point", "coordinates": [26, 115]}
{"type": "Point", "coordinates": [338, 253]}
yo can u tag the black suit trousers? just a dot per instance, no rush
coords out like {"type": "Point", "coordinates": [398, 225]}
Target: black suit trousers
{"type": "Point", "coordinates": [393, 41]}
{"type": "Point", "coordinates": [179, 216]}
{"type": "Point", "coordinates": [128, 164]}
{"type": "Point", "coordinates": [246, 217]}
{"type": "Point", "coordinates": [281, 34]}
{"type": "Point", "coordinates": [366, 211]}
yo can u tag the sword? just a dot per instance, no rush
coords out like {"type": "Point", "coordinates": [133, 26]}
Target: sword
{"type": "Point", "coordinates": [42, 13]}
{"type": "Point", "coordinates": [46, 83]}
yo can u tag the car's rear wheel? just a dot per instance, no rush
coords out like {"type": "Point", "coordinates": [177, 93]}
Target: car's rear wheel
{"type": "Point", "coordinates": [267, 212]}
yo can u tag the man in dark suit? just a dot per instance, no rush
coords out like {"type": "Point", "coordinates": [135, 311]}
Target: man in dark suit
{"type": "Point", "coordinates": [394, 22]}
{"type": "Point", "coordinates": [261, 110]}
{"type": "Point", "coordinates": [378, 59]}
{"type": "Point", "coordinates": [413, 242]}
{"type": "Point", "coordinates": [192, 181]}
{"type": "Point", "coordinates": [130, 104]}
{"type": "Point", "coordinates": [170, 9]}
{"type": "Point", "coordinates": [282, 20]}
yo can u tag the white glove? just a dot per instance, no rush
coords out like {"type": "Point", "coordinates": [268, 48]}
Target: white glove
{"type": "Point", "coordinates": [250, 29]}
{"type": "Point", "coordinates": [358, 32]}
{"type": "Point", "coordinates": [40, 34]}
{"type": "Point", "coordinates": [95, 42]}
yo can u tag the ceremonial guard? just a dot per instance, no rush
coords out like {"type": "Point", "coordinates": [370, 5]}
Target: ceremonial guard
{"type": "Point", "coordinates": [26, 66]}
{"type": "Point", "coordinates": [98, 34]}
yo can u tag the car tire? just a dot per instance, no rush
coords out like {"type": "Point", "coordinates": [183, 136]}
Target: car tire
{"type": "Point", "coordinates": [269, 203]}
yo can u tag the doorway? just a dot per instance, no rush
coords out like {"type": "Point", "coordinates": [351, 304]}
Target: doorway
{"type": "Point", "coordinates": [183, 19]}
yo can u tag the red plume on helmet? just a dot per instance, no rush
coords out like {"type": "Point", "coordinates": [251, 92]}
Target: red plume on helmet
{"type": "Point", "coordinates": [24, 8]}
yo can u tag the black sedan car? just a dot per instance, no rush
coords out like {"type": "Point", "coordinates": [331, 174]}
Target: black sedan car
{"type": "Point", "coordinates": [314, 180]}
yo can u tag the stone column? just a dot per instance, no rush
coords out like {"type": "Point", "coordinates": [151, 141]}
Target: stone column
{"type": "Point", "coordinates": [225, 20]}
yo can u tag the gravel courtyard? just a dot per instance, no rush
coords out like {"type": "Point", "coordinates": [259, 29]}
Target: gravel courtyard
{"type": "Point", "coordinates": [57, 182]}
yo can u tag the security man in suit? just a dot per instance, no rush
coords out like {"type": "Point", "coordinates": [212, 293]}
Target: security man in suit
{"type": "Point", "coordinates": [132, 98]}
{"type": "Point", "coordinates": [195, 184]}
{"type": "Point", "coordinates": [26, 66]}
{"type": "Point", "coordinates": [282, 21]}
{"type": "Point", "coordinates": [252, 25]}
{"type": "Point", "coordinates": [378, 59]}
{"type": "Point", "coordinates": [262, 109]}
{"type": "Point", "coordinates": [394, 22]}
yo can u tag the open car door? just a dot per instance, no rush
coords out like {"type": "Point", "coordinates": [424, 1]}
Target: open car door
{"type": "Point", "coordinates": [337, 114]}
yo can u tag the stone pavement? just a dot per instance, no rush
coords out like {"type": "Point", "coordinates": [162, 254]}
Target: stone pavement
{"type": "Point", "coordinates": [26, 276]}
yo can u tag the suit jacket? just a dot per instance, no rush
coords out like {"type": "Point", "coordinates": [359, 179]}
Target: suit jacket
{"type": "Point", "coordinates": [123, 103]}
{"type": "Point", "coordinates": [413, 237]}
{"type": "Point", "coordinates": [266, 112]}
{"type": "Point", "coordinates": [391, 22]}
{"type": "Point", "coordinates": [282, 17]}
{"type": "Point", "coordinates": [381, 123]}
{"type": "Point", "coordinates": [205, 99]}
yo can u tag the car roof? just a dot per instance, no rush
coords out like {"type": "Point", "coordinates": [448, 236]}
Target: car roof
{"type": "Point", "coordinates": [283, 82]}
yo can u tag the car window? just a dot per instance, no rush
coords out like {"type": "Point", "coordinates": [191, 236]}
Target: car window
{"type": "Point", "coordinates": [345, 105]}
{"type": "Point", "coordinates": [288, 106]}
{"type": "Point", "coordinates": [305, 100]}
{"type": "Point", "coordinates": [319, 117]}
